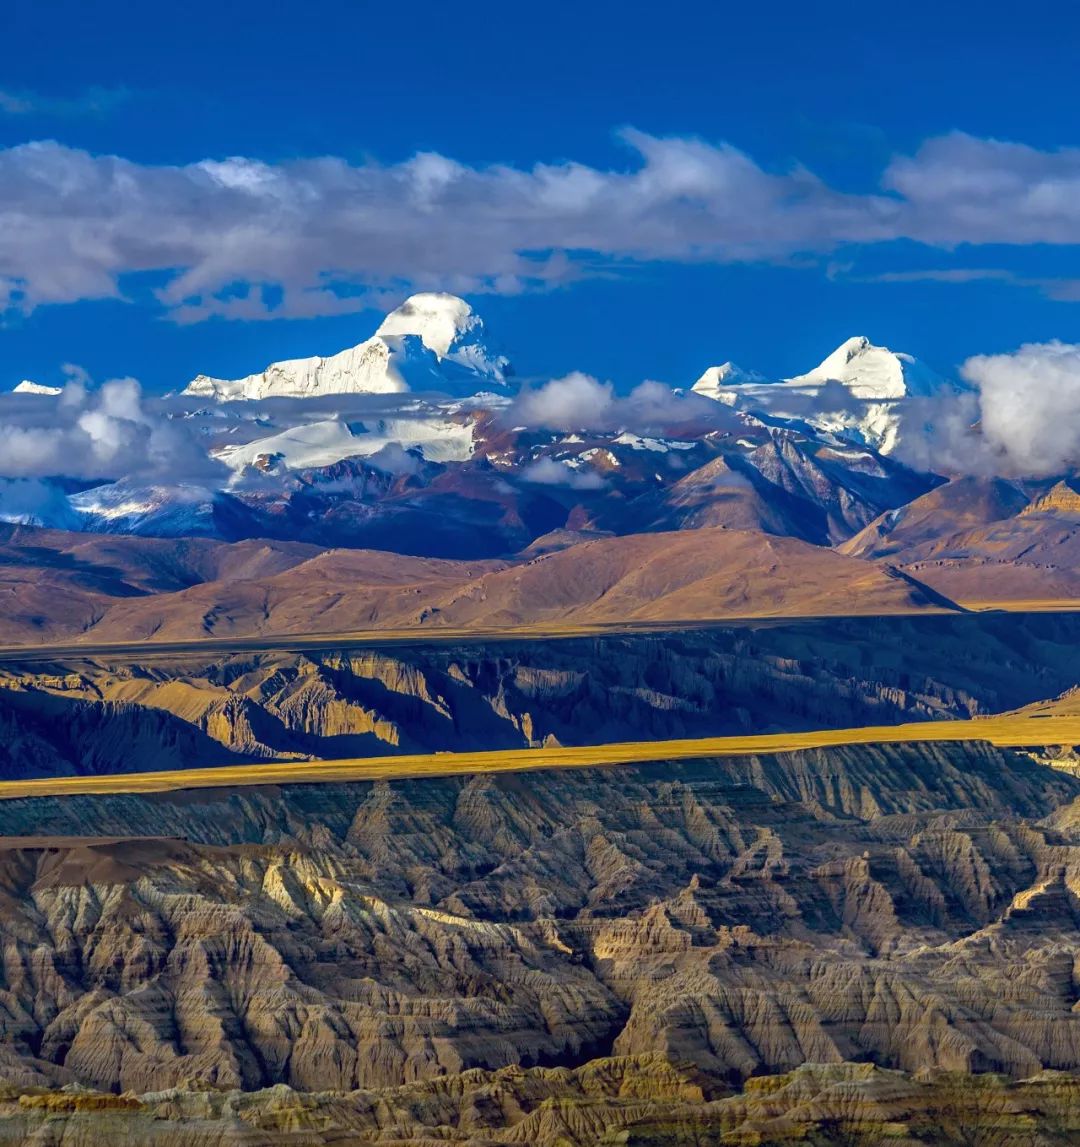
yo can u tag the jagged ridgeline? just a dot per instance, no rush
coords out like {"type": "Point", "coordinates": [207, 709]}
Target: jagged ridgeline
{"type": "Point", "coordinates": [107, 714]}
{"type": "Point", "coordinates": [563, 958]}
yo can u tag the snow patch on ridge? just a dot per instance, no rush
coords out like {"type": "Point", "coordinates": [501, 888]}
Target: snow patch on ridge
{"type": "Point", "coordinates": [331, 440]}
{"type": "Point", "coordinates": [657, 445]}
{"type": "Point", "coordinates": [153, 510]}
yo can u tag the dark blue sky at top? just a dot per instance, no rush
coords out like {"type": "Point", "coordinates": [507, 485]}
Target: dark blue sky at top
{"type": "Point", "coordinates": [839, 87]}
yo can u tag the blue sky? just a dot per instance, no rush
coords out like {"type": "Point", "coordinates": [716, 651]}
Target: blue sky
{"type": "Point", "coordinates": [837, 89]}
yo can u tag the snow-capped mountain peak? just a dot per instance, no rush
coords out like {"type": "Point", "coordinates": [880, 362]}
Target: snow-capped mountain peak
{"type": "Point", "coordinates": [438, 319]}
{"type": "Point", "coordinates": [432, 342]}
{"type": "Point", "coordinates": [873, 372]}
{"type": "Point", "coordinates": [448, 326]}
{"type": "Point", "coordinates": [717, 378]}
{"type": "Point", "coordinates": [857, 393]}
{"type": "Point", "coordinates": [28, 387]}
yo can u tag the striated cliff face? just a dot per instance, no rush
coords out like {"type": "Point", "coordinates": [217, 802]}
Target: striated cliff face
{"type": "Point", "coordinates": [85, 716]}
{"type": "Point", "coordinates": [612, 1102]}
{"type": "Point", "coordinates": [547, 958]}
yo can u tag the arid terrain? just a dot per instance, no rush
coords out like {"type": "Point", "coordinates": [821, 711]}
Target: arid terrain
{"type": "Point", "coordinates": [58, 586]}
{"type": "Point", "coordinates": [443, 776]}
{"type": "Point", "coordinates": [115, 713]}
{"type": "Point", "coordinates": [754, 882]}
{"type": "Point", "coordinates": [572, 874]}
{"type": "Point", "coordinates": [539, 574]}
{"type": "Point", "coordinates": [637, 955]}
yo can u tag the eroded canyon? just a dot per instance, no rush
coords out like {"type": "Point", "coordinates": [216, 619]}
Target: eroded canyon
{"type": "Point", "coordinates": [107, 714]}
{"type": "Point", "coordinates": [573, 958]}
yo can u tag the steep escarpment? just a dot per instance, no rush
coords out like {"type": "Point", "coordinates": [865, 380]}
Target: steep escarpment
{"type": "Point", "coordinates": [107, 715]}
{"type": "Point", "coordinates": [905, 905]}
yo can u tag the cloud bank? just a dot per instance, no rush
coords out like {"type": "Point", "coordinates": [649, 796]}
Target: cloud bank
{"type": "Point", "coordinates": [1029, 404]}
{"type": "Point", "coordinates": [1021, 419]}
{"type": "Point", "coordinates": [110, 431]}
{"type": "Point", "coordinates": [580, 402]}
{"type": "Point", "coordinates": [245, 239]}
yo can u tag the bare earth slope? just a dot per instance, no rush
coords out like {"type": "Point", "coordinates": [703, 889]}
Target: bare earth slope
{"type": "Point", "coordinates": [131, 591]}
{"type": "Point", "coordinates": [53, 582]}
{"type": "Point", "coordinates": [984, 542]}
{"type": "Point", "coordinates": [548, 959]}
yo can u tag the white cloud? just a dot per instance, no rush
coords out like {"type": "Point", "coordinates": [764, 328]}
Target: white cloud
{"type": "Point", "coordinates": [1030, 405]}
{"type": "Point", "coordinates": [576, 402]}
{"type": "Point", "coordinates": [580, 402]}
{"type": "Point", "coordinates": [1022, 418]}
{"type": "Point", "coordinates": [243, 238]}
{"type": "Point", "coordinates": [960, 189]}
{"type": "Point", "coordinates": [30, 449]}
{"type": "Point", "coordinates": [549, 472]}
{"type": "Point", "coordinates": [34, 502]}
{"type": "Point", "coordinates": [109, 431]}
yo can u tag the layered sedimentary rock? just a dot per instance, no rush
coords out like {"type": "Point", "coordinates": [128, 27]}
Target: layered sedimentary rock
{"type": "Point", "coordinates": [903, 904]}
{"type": "Point", "coordinates": [642, 1102]}
{"type": "Point", "coordinates": [94, 715]}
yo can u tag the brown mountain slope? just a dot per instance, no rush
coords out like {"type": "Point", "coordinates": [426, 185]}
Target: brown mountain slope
{"type": "Point", "coordinates": [53, 582]}
{"type": "Point", "coordinates": [701, 574]}
{"type": "Point", "coordinates": [1029, 558]}
{"type": "Point", "coordinates": [984, 541]}
{"type": "Point", "coordinates": [147, 565]}
{"type": "Point", "coordinates": [697, 574]}
{"type": "Point", "coordinates": [786, 487]}
{"type": "Point", "coordinates": [961, 505]}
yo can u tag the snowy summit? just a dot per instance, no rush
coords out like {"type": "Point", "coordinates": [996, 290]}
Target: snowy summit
{"type": "Point", "coordinates": [872, 372]}
{"type": "Point", "coordinates": [431, 343]}
{"type": "Point", "coordinates": [717, 378]}
{"type": "Point", "coordinates": [858, 392]}
{"type": "Point", "coordinates": [28, 387]}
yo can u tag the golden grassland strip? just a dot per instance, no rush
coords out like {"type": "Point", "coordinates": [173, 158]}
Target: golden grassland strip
{"type": "Point", "coordinates": [1001, 731]}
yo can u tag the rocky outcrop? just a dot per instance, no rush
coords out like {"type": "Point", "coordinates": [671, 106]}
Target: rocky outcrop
{"type": "Point", "coordinates": [633, 1102]}
{"type": "Point", "coordinates": [905, 905]}
{"type": "Point", "coordinates": [98, 715]}
{"type": "Point", "coordinates": [1061, 498]}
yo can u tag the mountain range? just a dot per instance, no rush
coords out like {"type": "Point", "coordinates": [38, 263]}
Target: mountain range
{"type": "Point", "coordinates": [404, 556]}
{"type": "Point", "coordinates": [420, 441]}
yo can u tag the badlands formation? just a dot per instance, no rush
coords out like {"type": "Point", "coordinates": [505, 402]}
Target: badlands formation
{"type": "Point", "coordinates": [830, 946]}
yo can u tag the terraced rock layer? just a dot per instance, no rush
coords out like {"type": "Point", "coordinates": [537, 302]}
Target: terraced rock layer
{"type": "Point", "coordinates": [106, 715]}
{"type": "Point", "coordinates": [629, 1102]}
{"type": "Point", "coordinates": [540, 958]}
